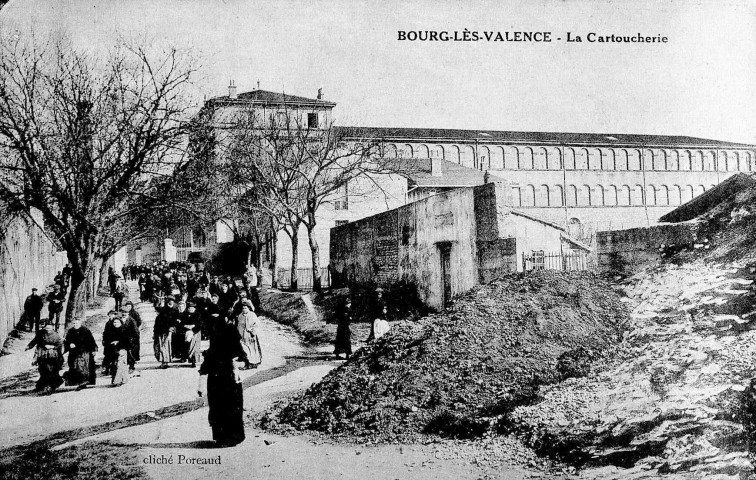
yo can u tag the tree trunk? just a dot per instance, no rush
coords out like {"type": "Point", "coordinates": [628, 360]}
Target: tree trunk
{"type": "Point", "coordinates": [103, 277]}
{"type": "Point", "coordinates": [274, 255]}
{"type": "Point", "coordinates": [294, 257]}
{"type": "Point", "coordinates": [77, 297]}
{"type": "Point", "coordinates": [315, 251]}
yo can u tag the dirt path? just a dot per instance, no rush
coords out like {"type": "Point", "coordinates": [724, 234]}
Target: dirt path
{"type": "Point", "coordinates": [28, 417]}
{"type": "Point", "coordinates": [157, 417]}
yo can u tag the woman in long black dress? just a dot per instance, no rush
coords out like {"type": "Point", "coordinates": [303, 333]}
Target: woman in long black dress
{"type": "Point", "coordinates": [224, 389]}
{"type": "Point", "coordinates": [80, 345]}
{"type": "Point", "coordinates": [49, 358]}
{"type": "Point", "coordinates": [343, 342]}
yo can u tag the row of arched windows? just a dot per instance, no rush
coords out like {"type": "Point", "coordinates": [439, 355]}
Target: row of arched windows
{"type": "Point", "coordinates": [600, 195]}
{"type": "Point", "coordinates": [578, 158]}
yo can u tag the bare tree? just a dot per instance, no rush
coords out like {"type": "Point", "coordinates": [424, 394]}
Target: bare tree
{"type": "Point", "coordinates": [87, 138]}
{"type": "Point", "coordinates": [298, 169]}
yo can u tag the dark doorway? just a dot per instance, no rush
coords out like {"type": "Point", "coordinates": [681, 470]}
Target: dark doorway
{"type": "Point", "coordinates": [445, 250]}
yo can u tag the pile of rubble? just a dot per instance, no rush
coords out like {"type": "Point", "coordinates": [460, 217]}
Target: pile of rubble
{"type": "Point", "coordinates": [457, 373]}
{"type": "Point", "coordinates": [678, 397]}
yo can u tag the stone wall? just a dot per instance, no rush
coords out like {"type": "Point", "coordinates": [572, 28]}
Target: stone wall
{"type": "Point", "coordinates": [28, 259]}
{"type": "Point", "coordinates": [477, 224]}
{"type": "Point", "coordinates": [625, 251]}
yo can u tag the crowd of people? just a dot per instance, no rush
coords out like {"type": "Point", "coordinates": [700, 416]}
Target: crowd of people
{"type": "Point", "coordinates": [191, 308]}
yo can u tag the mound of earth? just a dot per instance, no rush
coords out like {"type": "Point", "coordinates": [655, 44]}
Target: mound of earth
{"type": "Point", "coordinates": [726, 219]}
{"type": "Point", "coordinates": [455, 373]}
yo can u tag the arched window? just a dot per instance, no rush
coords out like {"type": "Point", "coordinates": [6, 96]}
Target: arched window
{"type": "Point", "coordinates": [675, 195]}
{"type": "Point", "coordinates": [611, 196]}
{"type": "Point", "coordinates": [407, 151]}
{"type": "Point", "coordinates": [572, 196]}
{"type": "Point", "coordinates": [633, 159]}
{"type": "Point", "coordinates": [660, 160]}
{"type": "Point", "coordinates": [594, 159]}
{"type": "Point", "coordinates": [700, 189]}
{"type": "Point", "coordinates": [454, 153]}
{"type": "Point", "coordinates": [687, 194]}
{"type": "Point", "coordinates": [569, 159]}
{"type": "Point", "coordinates": [511, 162]}
{"type": "Point", "coordinates": [497, 158]}
{"type": "Point", "coordinates": [607, 159]}
{"type": "Point", "coordinates": [732, 161]}
{"type": "Point", "coordinates": [597, 196]}
{"type": "Point", "coordinates": [389, 151]}
{"type": "Point", "coordinates": [662, 195]}
{"type": "Point", "coordinates": [621, 159]}
{"type": "Point", "coordinates": [648, 159]}
{"type": "Point", "coordinates": [650, 195]}
{"type": "Point", "coordinates": [685, 163]}
{"type": "Point", "coordinates": [526, 158]}
{"type": "Point", "coordinates": [437, 152]}
{"type": "Point", "coordinates": [584, 196]}
{"type": "Point", "coordinates": [467, 156]}
{"type": "Point", "coordinates": [484, 158]}
{"type": "Point", "coordinates": [581, 159]}
{"type": "Point", "coordinates": [422, 151]}
{"type": "Point", "coordinates": [556, 196]}
{"type": "Point", "coordinates": [542, 196]}
{"type": "Point", "coordinates": [708, 161]}
{"type": "Point", "coordinates": [528, 196]}
{"type": "Point", "coordinates": [539, 158]}
{"type": "Point", "coordinates": [637, 197]}
{"type": "Point", "coordinates": [553, 159]}
{"type": "Point", "coordinates": [624, 196]}
{"type": "Point", "coordinates": [697, 159]}
{"type": "Point", "coordinates": [673, 160]}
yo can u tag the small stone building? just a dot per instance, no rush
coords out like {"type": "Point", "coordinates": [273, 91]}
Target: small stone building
{"type": "Point", "coordinates": [443, 244]}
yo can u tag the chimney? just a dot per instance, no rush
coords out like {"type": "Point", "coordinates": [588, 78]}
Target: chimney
{"type": "Point", "coordinates": [231, 90]}
{"type": "Point", "coordinates": [436, 167]}
{"type": "Point", "coordinates": [320, 94]}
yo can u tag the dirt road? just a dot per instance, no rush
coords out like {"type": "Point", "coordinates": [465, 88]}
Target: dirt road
{"type": "Point", "coordinates": [158, 418]}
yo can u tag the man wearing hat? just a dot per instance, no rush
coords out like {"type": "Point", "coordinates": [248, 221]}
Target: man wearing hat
{"type": "Point", "coordinates": [55, 305]}
{"type": "Point", "coordinates": [32, 308]}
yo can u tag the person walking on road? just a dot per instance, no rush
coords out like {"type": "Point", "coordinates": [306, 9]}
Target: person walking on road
{"type": "Point", "coordinates": [246, 324]}
{"type": "Point", "coordinates": [55, 305]}
{"type": "Point", "coordinates": [33, 309]}
{"type": "Point", "coordinates": [119, 291]}
{"type": "Point", "coordinates": [119, 341]}
{"type": "Point", "coordinates": [48, 357]}
{"type": "Point", "coordinates": [220, 382]}
{"type": "Point", "coordinates": [166, 322]}
{"type": "Point", "coordinates": [343, 342]}
{"type": "Point", "coordinates": [81, 346]}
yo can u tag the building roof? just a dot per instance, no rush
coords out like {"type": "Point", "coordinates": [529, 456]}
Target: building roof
{"type": "Point", "coordinates": [541, 138]}
{"type": "Point", "coordinates": [452, 174]}
{"type": "Point", "coordinates": [265, 97]}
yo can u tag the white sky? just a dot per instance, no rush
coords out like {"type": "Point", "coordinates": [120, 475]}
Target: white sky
{"type": "Point", "coordinates": [702, 83]}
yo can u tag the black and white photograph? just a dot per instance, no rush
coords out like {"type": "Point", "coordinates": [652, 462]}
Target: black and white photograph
{"type": "Point", "coordinates": [413, 240]}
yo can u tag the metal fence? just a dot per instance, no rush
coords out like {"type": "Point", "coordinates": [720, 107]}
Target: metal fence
{"type": "Point", "coordinates": [304, 278]}
{"type": "Point", "coordinates": [540, 260]}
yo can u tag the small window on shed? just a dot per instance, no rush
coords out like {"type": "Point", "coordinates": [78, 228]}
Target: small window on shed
{"type": "Point", "coordinates": [312, 120]}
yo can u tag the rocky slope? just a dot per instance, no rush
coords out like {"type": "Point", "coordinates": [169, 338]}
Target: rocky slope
{"type": "Point", "coordinates": [678, 397]}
